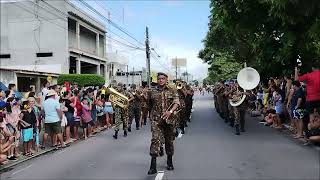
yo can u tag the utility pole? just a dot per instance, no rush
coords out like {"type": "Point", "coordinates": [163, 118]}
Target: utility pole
{"type": "Point", "coordinates": [133, 75]}
{"type": "Point", "coordinates": [176, 68]}
{"type": "Point", "coordinates": [127, 77]}
{"type": "Point", "coordinates": [148, 57]}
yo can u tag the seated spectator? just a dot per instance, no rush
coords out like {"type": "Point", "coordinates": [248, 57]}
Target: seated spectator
{"type": "Point", "coordinates": [277, 101]}
{"type": "Point", "coordinates": [270, 117]}
{"type": "Point", "coordinates": [7, 140]}
{"type": "Point", "coordinates": [313, 133]}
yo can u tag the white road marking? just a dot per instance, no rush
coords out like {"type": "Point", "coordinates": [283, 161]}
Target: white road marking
{"type": "Point", "coordinates": [159, 175]}
{"type": "Point", "coordinates": [21, 170]}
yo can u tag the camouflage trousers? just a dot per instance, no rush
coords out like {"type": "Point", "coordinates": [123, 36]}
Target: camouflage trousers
{"type": "Point", "coordinates": [182, 118]}
{"type": "Point", "coordinates": [144, 114]}
{"type": "Point", "coordinates": [239, 115]}
{"type": "Point", "coordinates": [161, 133]}
{"type": "Point", "coordinates": [134, 113]}
{"type": "Point", "coordinates": [230, 112]}
{"type": "Point", "coordinates": [121, 117]}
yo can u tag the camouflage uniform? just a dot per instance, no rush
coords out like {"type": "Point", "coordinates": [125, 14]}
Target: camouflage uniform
{"type": "Point", "coordinates": [161, 99]}
{"type": "Point", "coordinates": [134, 107]}
{"type": "Point", "coordinates": [144, 109]}
{"type": "Point", "coordinates": [188, 102]}
{"type": "Point", "coordinates": [239, 116]}
{"type": "Point", "coordinates": [181, 118]}
{"type": "Point", "coordinates": [121, 115]}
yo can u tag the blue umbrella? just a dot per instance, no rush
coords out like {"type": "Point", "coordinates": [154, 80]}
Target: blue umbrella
{"type": "Point", "coordinates": [3, 87]}
{"type": "Point", "coordinates": [17, 93]}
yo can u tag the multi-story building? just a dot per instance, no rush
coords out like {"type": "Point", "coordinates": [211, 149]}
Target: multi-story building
{"type": "Point", "coordinates": [48, 38]}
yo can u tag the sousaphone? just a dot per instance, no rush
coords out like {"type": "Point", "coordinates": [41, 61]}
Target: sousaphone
{"type": "Point", "coordinates": [248, 78]}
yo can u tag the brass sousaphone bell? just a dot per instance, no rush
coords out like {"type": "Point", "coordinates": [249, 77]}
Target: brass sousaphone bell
{"type": "Point", "coordinates": [248, 78]}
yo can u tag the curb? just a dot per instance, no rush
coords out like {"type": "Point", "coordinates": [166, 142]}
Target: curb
{"type": "Point", "coordinates": [7, 167]}
{"type": "Point", "coordinates": [10, 165]}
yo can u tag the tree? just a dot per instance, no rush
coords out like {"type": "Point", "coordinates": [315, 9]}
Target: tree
{"type": "Point", "coordinates": [269, 35]}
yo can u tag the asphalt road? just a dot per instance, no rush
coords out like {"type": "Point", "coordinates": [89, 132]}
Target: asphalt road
{"type": "Point", "coordinates": [208, 150]}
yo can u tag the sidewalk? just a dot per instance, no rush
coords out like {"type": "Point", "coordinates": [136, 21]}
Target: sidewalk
{"type": "Point", "coordinates": [40, 152]}
{"type": "Point", "coordinates": [286, 130]}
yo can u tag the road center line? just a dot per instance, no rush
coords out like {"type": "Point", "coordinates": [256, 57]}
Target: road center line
{"type": "Point", "coordinates": [159, 175]}
{"type": "Point", "coordinates": [21, 169]}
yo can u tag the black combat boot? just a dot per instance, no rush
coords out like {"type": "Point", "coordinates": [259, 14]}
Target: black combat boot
{"type": "Point", "coordinates": [125, 134]}
{"type": "Point", "coordinates": [237, 129]}
{"type": "Point", "coordinates": [169, 163]}
{"type": "Point", "coordinates": [115, 136]}
{"type": "Point", "coordinates": [161, 153]}
{"type": "Point", "coordinates": [129, 128]}
{"type": "Point", "coordinates": [177, 132]}
{"type": "Point", "coordinates": [137, 128]}
{"type": "Point", "coordinates": [182, 130]}
{"type": "Point", "coordinates": [153, 166]}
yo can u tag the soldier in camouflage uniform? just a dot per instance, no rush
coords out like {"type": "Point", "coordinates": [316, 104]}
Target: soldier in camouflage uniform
{"type": "Point", "coordinates": [182, 118]}
{"type": "Point", "coordinates": [188, 102]}
{"type": "Point", "coordinates": [144, 106]}
{"type": "Point", "coordinates": [239, 113]}
{"type": "Point", "coordinates": [134, 106]}
{"type": "Point", "coordinates": [164, 102]}
{"type": "Point", "coordinates": [121, 115]}
{"type": "Point", "coordinates": [231, 108]}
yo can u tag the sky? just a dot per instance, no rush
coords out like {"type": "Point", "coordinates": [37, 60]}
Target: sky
{"type": "Point", "coordinates": [176, 29]}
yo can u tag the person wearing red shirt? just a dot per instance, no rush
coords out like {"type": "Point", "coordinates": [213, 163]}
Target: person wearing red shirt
{"type": "Point", "coordinates": [312, 80]}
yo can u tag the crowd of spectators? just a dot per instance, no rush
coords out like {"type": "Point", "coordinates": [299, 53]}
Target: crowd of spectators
{"type": "Point", "coordinates": [292, 101]}
{"type": "Point", "coordinates": [54, 117]}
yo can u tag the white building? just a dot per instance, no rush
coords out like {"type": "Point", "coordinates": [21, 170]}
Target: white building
{"type": "Point", "coordinates": [48, 38]}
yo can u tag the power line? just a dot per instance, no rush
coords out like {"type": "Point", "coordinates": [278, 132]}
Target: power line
{"type": "Point", "coordinates": [90, 18]}
{"type": "Point", "coordinates": [67, 28]}
{"type": "Point", "coordinates": [159, 62]}
{"type": "Point", "coordinates": [110, 21]}
{"type": "Point", "coordinates": [100, 4]}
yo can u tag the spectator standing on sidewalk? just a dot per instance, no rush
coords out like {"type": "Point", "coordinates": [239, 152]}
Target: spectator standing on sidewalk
{"type": "Point", "coordinates": [35, 109]}
{"type": "Point", "coordinates": [28, 119]}
{"type": "Point", "coordinates": [298, 108]}
{"type": "Point", "coordinates": [313, 88]}
{"type": "Point", "coordinates": [53, 116]}
{"type": "Point", "coordinates": [12, 119]}
{"type": "Point", "coordinates": [77, 113]}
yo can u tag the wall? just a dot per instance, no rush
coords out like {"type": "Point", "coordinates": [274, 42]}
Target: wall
{"type": "Point", "coordinates": [23, 35]}
{"type": "Point", "coordinates": [7, 77]}
{"type": "Point", "coordinates": [87, 40]}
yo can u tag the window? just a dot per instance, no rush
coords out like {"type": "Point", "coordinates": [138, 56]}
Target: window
{"type": "Point", "coordinates": [5, 56]}
{"type": "Point", "coordinates": [47, 54]}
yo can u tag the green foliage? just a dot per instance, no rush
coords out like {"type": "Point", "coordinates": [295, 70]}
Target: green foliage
{"type": "Point", "coordinates": [195, 82]}
{"type": "Point", "coordinates": [267, 34]}
{"type": "Point", "coordinates": [82, 79]}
